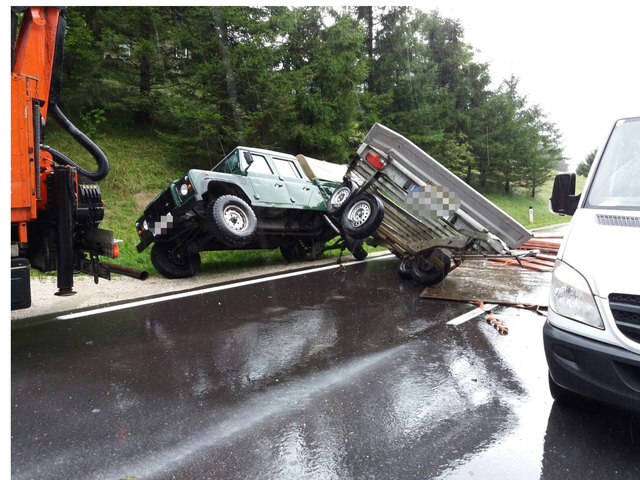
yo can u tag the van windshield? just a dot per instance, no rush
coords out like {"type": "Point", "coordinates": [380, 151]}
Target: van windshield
{"type": "Point", "coordinates": [616, 182]}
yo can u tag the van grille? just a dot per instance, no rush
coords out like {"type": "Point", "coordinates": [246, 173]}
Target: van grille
{"type": "Point", "coordinates": [618, 221]}
{"type": "Point", "coordinates": [626, 313]}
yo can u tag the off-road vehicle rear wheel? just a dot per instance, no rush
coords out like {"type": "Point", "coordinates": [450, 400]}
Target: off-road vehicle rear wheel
{"type": "Point", "coordinates": [235, 221]}
{"type": "Point", "coordinates": [293, 252]}
{"type": "Point", "coordinates": [356, 248]}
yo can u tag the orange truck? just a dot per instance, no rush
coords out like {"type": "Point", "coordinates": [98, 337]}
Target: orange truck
{"type": "Point", "coordinates": [56, 205]}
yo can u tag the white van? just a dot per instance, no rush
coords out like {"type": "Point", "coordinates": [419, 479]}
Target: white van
{"type": "Point", "coordinates": [592, 334]}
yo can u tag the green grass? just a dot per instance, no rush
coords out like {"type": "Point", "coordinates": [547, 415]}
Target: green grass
{"type": "Point", "coordinates": [517, 204]}
{"type": "Point", "coordinates": [140, 168]}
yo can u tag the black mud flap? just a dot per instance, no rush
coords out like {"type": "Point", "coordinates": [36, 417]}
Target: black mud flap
{"type": "Point", "coordinates": [20, 284]}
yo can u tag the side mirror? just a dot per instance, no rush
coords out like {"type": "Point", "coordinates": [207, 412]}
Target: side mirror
{"type": "Point", "coordinates": [564, 200]}
{"type": "Point", "coordinates": [249, 159]}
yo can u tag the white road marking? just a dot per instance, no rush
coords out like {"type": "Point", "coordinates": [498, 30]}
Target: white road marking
{"type": "Point", "coordinates": [470, 315]}
{"type": "Point", "coordinates": [217, 288]}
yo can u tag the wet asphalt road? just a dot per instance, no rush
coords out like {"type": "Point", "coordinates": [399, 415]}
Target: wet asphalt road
{"type": "Point", "coordinates": [340, 374]}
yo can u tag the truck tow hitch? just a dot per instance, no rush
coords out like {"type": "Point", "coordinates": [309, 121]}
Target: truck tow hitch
{"type": "Point", "coordinates": [93, 266]}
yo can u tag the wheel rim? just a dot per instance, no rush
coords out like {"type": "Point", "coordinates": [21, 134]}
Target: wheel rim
{"type": "Point", "coordinates": [430, 263]}
{"type": "Point", "coordinates": [359, 213]}
{"type": "Point", "coordinates": [235, 218]}
{"type": "Point", "coordinates": [426, 264]}
{"type": "Point", "coordinates": [340, 196]}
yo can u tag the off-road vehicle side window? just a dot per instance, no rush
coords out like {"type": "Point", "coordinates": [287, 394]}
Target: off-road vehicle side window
{"type": "Point", "coordinates": [286, 168]}
{"type": "Point", "coordinates": [259, 165]}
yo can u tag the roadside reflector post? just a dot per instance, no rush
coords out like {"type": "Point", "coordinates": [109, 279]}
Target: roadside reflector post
{"type": "Point", "coordinates": [531, 214]}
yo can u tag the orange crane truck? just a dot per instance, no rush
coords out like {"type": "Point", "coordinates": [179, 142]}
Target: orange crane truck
{"type": "Point", "coordinates": [56, 205]}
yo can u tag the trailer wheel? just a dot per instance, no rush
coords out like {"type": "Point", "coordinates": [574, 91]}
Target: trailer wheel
{"type": "Point", "coordinates": [173, 261]}
{"type": "Point", "coordinates": [339, 198]}
{"type": "Point", "coordinates": [362, 216]}
{"type": "Point", "coordinates": [235, 221]}
{"type": "Point", "coordinates": [430, 268]}
{"type": "Point", "coordinates": [356, 248]}
{"type": "Point", "coordinates": [293, 253]}
{"type": "Point", "coordinates": [404, 268]}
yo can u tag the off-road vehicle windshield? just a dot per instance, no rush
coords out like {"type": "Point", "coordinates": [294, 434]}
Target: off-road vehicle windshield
{"type": "Point", "coordinates": [230, 164]}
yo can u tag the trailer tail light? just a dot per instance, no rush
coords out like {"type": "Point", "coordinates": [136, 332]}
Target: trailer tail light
{"type": "Point", "coordinates": [115, 251]}
{"type": "Point", "coordinates": [375, 160]}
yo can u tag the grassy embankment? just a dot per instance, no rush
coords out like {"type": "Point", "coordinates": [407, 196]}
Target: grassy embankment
{"type": "Point", "coordinates": [517, 204]}
{"type": "Point", "coordinates": [140, 169]}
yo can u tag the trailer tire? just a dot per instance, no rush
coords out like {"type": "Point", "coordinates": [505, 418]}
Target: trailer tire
{"type": "Point", "coordinates": [430, 267]}
{"type": "Point", "coordinates": [362, 216]}
{"type": "Point", "coordinates": [404, 268]}
{"type": "Point", "coordinates": [235, 221]}
{"type": "Point", "coordinates": [173, 261]}
{"type": "Point", "coordinates": [339, 198]}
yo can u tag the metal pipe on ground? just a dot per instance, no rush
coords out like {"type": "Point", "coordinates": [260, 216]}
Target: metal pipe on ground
{"type": "Point", "coordinates": [126, 271]}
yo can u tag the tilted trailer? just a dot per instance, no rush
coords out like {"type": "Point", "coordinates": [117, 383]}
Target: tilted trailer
{"type": "Point", "coordinates": [431, 220]}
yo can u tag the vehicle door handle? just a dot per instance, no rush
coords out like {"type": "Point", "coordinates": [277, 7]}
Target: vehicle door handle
{"type": "Point", "coordinates": [279, 184]}
{"type": "Point", "coordinates": [306, 189]}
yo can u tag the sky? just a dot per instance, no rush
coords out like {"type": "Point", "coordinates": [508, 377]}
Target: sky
{"type": "Point", "coordinates": [579, 61]}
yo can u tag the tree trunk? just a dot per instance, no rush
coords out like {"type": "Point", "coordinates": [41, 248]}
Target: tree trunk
{"type": "Point", "coordinates": [223, 45]}
{"type": "Point", "coordinates": [369, 43]}
{"type": "Point", "coordinates": [143, 115]}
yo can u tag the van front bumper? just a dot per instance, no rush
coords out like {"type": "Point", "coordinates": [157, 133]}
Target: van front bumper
{"type": "Point", "coordinates": [593, 369]}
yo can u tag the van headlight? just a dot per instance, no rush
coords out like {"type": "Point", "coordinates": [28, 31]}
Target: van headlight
{"type": "Point", "coordinates": [571, 296]}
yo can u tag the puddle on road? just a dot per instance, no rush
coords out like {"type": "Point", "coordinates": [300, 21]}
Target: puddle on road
{"type": "Point", "coordinates": [247, 416]}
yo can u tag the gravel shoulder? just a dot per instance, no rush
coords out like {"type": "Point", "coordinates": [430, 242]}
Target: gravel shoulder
{"type": "Point", "coordinates": [120, 289]}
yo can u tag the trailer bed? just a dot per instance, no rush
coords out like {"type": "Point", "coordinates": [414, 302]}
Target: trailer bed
{"type": "Point", "coordinates": [427, 207]}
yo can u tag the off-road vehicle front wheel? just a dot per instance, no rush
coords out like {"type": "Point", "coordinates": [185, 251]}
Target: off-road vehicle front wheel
{"type": "Point", "coordinates": [174, 261]}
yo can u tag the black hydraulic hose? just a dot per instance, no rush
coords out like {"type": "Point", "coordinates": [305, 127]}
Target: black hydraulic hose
{"type": "Point", "coordinates": [82, 139]}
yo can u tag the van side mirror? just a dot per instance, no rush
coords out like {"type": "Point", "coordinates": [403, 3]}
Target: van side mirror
{"type": "Point", "coordinates": [564, 200]}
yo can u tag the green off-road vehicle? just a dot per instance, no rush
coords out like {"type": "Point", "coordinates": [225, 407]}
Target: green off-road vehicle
{"type": "Point", "coordinates": [256, 199]}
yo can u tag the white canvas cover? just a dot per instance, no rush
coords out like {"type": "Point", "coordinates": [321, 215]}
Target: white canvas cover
{"type": "Point", "coordinates": [321, 169]}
